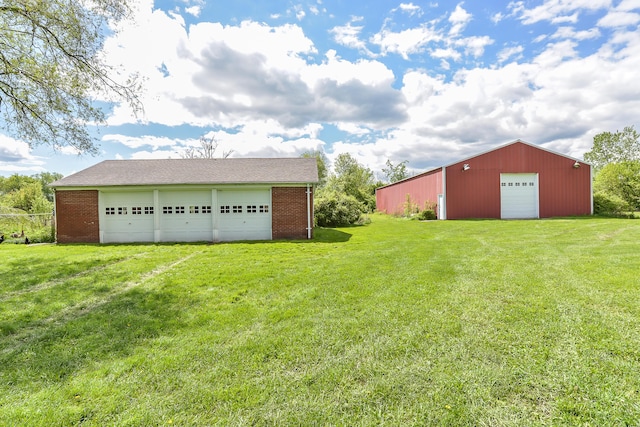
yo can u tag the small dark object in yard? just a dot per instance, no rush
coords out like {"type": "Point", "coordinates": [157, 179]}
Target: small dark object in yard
{"type": "Point", "coordinates": [26, 241]}
{"type": "Point", "coordinates": [15, 235]}
{"type": "Point", "coordinates": [1, 238]}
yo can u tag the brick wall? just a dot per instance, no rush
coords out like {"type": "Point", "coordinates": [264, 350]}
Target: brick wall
{"type": "Point", "coordinates": [77, 219]}
{"type": "Point", "coordinates": [289, 217]}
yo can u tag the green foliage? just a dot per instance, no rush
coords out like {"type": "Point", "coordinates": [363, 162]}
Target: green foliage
{"type": "Point", "coordinates": [51, 69]}
{"type": "Point", "coordinates": [353, 179]}
{"type": "Point", "coordinates": [333, 209]}
{"type": "Point", "coordinates": [614, 147]}
{"type": "Point", "coordinates": [409, 207]}
{"type": "Point", "coordinates": [395, 173]}
{"type": "Point", "coordinates": [322, 161]}
{"type": "Point", "coordinates": [607, 204]}
{"type": "Point", "coordinates": [427, 215]}
{"type": "Point", "coordinates": [621, 180]}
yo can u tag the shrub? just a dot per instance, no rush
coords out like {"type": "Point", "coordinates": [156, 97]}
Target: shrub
{"type": "Point", "coordinates": [605, 203]}
{"type": "Point", "coordinates": [427, 214]}
{"type": "Point", "coordinates": [335, 209]}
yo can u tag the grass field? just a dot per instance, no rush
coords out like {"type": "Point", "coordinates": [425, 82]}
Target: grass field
{"type": "Point", "coordinates": [462, 323]}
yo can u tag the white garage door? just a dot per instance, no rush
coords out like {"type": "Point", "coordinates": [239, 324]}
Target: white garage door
{"type": "Point", "coordinates": [519, 195]}
{"type": "Point", "coordinates": [244, 215]}
{"type": "Point", "coordinates": [185, 216]}
{"type": "Point", "coordinates": [126, 217]}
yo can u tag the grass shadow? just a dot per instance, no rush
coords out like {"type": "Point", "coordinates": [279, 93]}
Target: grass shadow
{"type": "Point", "coordinates": [55, 350]}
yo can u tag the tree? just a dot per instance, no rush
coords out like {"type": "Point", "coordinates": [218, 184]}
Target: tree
{"type": "Point", "coordinates": [621, 180]}
{"type": "Point", "coordinates": [51, 69]}
{"type": "Point", "coordinates": [322, 161]}
{"type": "Point", "coordinates": [395, 173]}
{"type": "Point", "coordinates": [207, 150]}
{"type": "Point", "coordinates": [614, 148]}
{"type": "Point", "coordinates": [353, 179]}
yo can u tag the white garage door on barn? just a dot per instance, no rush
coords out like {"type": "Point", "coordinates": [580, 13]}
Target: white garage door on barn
{"type": "Point", "coordinates": [244, 215]}
{"type": "Point", "coordinates": [127, 217]}
{"type": "Point", "coordinates": [519, 195]}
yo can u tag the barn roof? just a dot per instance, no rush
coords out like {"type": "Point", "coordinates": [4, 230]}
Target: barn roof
{"type": "Point", "coordinates": [194, 171]}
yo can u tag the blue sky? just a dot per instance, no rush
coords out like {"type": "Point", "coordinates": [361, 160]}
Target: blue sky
{"type": "Point", "coordinates": [429, 82]}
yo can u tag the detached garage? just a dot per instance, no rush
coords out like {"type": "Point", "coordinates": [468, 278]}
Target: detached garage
{"type": "Point", "coordinates": [187, 200]}
{"type": "Point", "coordinates": [516, 180]}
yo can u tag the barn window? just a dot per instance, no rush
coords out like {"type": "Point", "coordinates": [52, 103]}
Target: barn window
{"type": "Point", "coordinates": [511, 184]}
{"type": "Point", "coordinates": [122, 210]}
{"type": "Point", "coordinates": [517, 184]}
{"type": "Point", "coordinates": [504, 184]}
{"type": "Point", "coordinates": [179, 209]}
{"type": "Point", "coordinates": [252, 209]}
{"type": "Point", "coordinates": [136, 210]}
{"type": "Point", "coordinates": [264, 208]}
{"type": "Point", "coordinates": [225, 209]}
{"type": "Point", "coordinates": [148, 210]}
{"type": "Point", "coordinates": [167, 209]}
{"type": "Point", "coordinates": [531, 184]}
{"type": "Point", "coordinates": [194, 209]}
{"type": "Point", "coordinates": [206, 209]}
{"type": "Point", "coordinates": [237, 209]}
{"type": "Point", "coordinates": [110, 211]}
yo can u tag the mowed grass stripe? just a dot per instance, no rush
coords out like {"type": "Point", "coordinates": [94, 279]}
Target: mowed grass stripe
{"type": "Point", "coordinates": [397, 322]}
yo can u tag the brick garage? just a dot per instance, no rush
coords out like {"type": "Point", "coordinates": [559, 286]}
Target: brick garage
{"type": "Point", "coordinates": [187, 200]}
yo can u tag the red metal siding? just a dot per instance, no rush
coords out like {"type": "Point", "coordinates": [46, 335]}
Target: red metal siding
{"type": "Point", "coordinates": [422, 188]}
{"type": "Point", "coordinates": [475, 193]}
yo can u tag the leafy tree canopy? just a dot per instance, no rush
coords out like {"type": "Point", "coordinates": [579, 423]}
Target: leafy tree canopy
{"type": "Point", "coordinates": [353, 179]}
{"type": "Point", "coordinates": [51, 70]}
{"type": "Point", "coordinates": [395, 173]}
{"type": "Point", "coordinates": [614, 147]}
{"type": "Point", "coordinates": [621, 180]}
{"type": "Point", "coordinates": [322, 161]}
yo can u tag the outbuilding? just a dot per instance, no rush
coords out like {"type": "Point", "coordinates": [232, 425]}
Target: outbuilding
{"type": "Point", "coordinates": [186, 200]}
{"type": "Point", "coordinates": [516, 180]}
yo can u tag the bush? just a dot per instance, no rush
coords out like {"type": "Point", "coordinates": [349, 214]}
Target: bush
{"type": "Point", "coordinates": [427, 215]}
{"type": "Point", "coordinates": [335, 209]}
{"type": "Point", "coordinates": [605, 203]}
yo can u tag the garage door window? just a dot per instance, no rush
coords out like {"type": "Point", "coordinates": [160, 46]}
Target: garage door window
{"type": "Point", "coordinates": [264, 208]}
{"type": "Point", "coordinates": [148, 210]}
{"type": "Point", "coordinates": [194, 209]}
{"type": "Point", "coordinates": [136, 210]}
{"type": "Point", "coordinates": [225, 209]}
{"type": "Point", "coordinates": [206, 209]}
{"type": "Point", "coordinates": [122, 210]}
{"type": "Point", "coordinates": [252, 209]}
{"type": "Point", "coordinates": [167, 210]}
{"type": "Point", "coordinates": [110, 211]}
{"type": "Point", "coordinates": [237, 209]}
{"type": "Point", "coordinates": [179, 209]}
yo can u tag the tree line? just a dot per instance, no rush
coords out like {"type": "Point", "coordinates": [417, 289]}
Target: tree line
{"type": "Point", "coordinates": [615, 157]}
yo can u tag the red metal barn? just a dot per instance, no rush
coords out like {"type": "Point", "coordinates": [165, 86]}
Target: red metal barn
{"type": "Point", "coordinates": [516, 180]}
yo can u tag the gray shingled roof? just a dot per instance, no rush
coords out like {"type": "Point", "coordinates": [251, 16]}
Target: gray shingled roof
{"type": "Point", "coordinates": [194, 171]}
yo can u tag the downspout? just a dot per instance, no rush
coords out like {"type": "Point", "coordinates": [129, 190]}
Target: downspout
{"type": "Point", "coordinates": [309, 214]}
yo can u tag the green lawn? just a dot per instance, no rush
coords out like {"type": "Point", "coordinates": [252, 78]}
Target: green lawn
{"type": "Point", "coordinates": [474, 323]}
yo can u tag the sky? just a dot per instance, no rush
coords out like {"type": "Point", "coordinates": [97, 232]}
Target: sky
{"type": "Point", "coordinates": [426, 82]}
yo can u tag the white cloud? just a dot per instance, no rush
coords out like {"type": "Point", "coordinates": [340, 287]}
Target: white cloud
{"type": "Point", "coordinates": [349, 35]}
{"type": "Point", "coordinates": [556, 11]}
{"type": "Point", "coordinates": [509, 52]}
{"type": "Point", "coordinates": [571, 33]}
{"type": "Point", "coordinates": [459, 19]}
{"type": "Point", "coordinates": [619, 19]}
{"type": "Point", "coordinates": [410, 9]}
{"type": "Point", "coordinates": [406, 42]}
{"type": "Point", "coordinates": [16, 157]}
